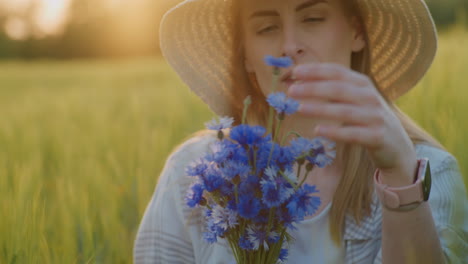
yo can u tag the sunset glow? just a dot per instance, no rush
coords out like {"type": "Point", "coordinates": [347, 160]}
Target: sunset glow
{"type": "Point", "coordinates": [51, 15]}
{"type": "Point", "coordinates": [48, 18]}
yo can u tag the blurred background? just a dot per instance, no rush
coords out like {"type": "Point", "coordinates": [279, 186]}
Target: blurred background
{"type": "Point", "coordinates": [90, 111]}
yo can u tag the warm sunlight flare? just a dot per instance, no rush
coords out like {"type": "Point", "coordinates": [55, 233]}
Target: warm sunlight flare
{"type": "Point", "coordinates": [16, 29]}
{"type": "Point", "coordinates": [51, 15]}
{"type": "Point", "coordinates": [48, 17]}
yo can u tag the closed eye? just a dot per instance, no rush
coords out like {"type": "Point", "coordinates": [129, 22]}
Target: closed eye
{"type": "Point", "coordinates": [267, 29]}
{"type": "Point", "coordinates": [313, 19]}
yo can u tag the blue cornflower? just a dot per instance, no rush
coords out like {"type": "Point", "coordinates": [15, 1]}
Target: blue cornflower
{"type": "Point", "coordinates": [271, 194]}
{"type": "Point", "coordinates": [323, 159]}
{"type": "Point", "coordinates": [245, 243]}
{"type": "Point", "coordinates": [248, 206]}
{"type": "Point", "coordinates": [221, 150]}
{"type": "Point", "coordinates": [275, 188]}
{"type": "Point", "coordinates": [322, 152]}
{"type": "Point", "coordinates": [210, 237]}
{"type": "Point", "coordinates": [239, 154]}
{"type": "Point", "coordinates": [262, 217]}
{"type": "Point", "coordinates": [249, 185]}
{"type": "Point", "coordinates": [226, 188]}
{"type": "Point", "coordinates": [248, 135]}
{"type": "Point", "coordinates": [302, 203]}
{"type": "Point", "coordinates": [301, 146]}
{"type": "Point", "coordinates": [263, 154]}
{"type": "Point", "coordinates": [259, 237]}
{"type": "Point", "coordinates": [233, 168]}
{"type": "Point", "coordinates": [282, 104]}
{"type": "Point", "coordinates": [212, 179]}
{"type": "Point", "coordinates": [281, 62]}
{"type": "Point", "coordinates": [222, 123]}
{"type": "Point", "coordinates": [224, 217]}
{"type": "Point", "coordinates": [231, 204]}
{"type": "Point", "coordinates": [285, 158]}
{"type": "Point", "coordinates": [194, 194]}
{"type": "Point", "coordinates": [197, 168]}
{"type": "Point", "coordinates": [285, 217]}
{"type": "Point", "coordinates": [212, 230]}
{"type": "Point", "coordinates": [283, 255]}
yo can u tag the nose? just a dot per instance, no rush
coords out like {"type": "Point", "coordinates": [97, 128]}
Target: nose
{"type": "Point", "coordinates": [292, 47]}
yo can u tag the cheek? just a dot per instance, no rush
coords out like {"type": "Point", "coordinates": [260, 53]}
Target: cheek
{"type": "Point", "coordinates": [335, 44]}
{"type": "Point", "coordinates": [263, 73]}
{"type": "Point", "coordinates": [264, 77]}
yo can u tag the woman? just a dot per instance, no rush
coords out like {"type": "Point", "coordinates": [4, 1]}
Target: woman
{"type": "Point", "coordinates": [351, 59]}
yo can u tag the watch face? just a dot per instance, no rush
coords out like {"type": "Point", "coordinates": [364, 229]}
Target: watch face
{"type": "Point", "coordinates": [427, 181]}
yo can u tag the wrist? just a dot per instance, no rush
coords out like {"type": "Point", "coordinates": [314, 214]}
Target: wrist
{"type": "Point", "coordinates": [401, 176]}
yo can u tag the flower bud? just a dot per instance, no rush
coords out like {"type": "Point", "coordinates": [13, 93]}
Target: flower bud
{"type": "Point", "coordinates": [281, 116]}
{"type": "Point", "coordinates": [300, 161]}
{"type": "Point", "coordinates": [203, 201]}
{"type": "Point", "coordinates": [220, 135]}
{"type": "Point", "coordinates": [236, 179]}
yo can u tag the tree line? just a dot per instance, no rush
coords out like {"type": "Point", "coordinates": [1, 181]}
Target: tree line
{"type": "Point", "coordinates": [97, 29]}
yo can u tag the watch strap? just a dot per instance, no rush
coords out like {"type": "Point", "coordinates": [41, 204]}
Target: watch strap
{"type": "Point", "coordinates": [404, 197]}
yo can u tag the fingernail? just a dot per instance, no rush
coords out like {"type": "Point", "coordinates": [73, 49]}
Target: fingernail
{"type": "Point", "coordinates": [301, 108]}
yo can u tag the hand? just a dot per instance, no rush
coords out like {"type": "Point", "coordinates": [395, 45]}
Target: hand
{"type": "Point", "coordinates": [333, 92]}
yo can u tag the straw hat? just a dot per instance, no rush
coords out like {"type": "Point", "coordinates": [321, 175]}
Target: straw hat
{"type": "Point", "coordinates": [196, 41]}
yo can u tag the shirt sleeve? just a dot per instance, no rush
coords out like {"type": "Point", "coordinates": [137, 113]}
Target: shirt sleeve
{"type": "Point", "coordinates": [449, 206]}
{"type": "Point", "coordinates": [163, 235]}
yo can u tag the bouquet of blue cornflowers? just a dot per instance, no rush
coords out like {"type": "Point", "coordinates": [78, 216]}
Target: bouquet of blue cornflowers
{"type": "Point", "coordinates": [246, 185]}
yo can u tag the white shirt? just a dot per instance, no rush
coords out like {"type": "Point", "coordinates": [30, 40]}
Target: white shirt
{"type": "Point", "coordinates": [313, 242]}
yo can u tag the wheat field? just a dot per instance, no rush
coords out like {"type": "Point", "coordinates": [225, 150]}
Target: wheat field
{"type": "Point", "coordinates": [82, 144]}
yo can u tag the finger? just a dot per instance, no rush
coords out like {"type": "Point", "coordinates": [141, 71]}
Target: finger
{"type": "Point", "coordinates": [370, 137]}
{"type": "Point", "coordinates": [349, 114]}
{"type": "Point", "coordinates": [334, 91]}
{"type": "Point", "coordinates": [329, 71]}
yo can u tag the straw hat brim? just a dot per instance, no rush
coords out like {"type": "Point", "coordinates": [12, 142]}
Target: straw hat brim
{"type": "Point", "coordinates": [195, 40]}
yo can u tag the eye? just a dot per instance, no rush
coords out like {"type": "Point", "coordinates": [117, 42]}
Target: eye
{"type": "Point", "coordinates": [267, 29]}
{"type": "Point", "coordinates": [313, 19]}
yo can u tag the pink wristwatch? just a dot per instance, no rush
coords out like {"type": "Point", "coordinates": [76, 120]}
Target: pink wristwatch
{"type": "Point", "coordinates": [407, 197]}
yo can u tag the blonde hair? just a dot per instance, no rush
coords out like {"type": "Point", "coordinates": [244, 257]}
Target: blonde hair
{"type": "Point", "coordinates": [354, 191]}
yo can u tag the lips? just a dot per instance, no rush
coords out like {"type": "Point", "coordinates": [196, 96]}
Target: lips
{"type": "Point", "coordinates": [287, 78]}
{"type": "Point", "coordinates": [287, 75]}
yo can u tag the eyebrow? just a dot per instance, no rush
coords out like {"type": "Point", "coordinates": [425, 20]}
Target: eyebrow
{"type": "Point", "coordinates": [300, 7]}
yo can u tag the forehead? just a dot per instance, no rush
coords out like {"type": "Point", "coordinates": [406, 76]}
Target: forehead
{"type": "Point", "coordinates": [258, 5]}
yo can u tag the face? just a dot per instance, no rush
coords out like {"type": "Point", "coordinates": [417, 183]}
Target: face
{"type": "Point", "coordinates": [306, 30]}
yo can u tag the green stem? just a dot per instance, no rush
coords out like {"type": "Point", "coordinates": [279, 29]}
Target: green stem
{"type": "Point", "coordinates": [270, 218]}
{"type": "Point", "coordinates": [234, 250]}
{"type": "Point", "coordinates": [270, 120]}
{"type": "Point", "coordinates": [259, 255]}
{"type": "Point", "coordinates": [287, 135]}
{"type": "Point", "coordinates": [306, 174]}
{"type": "Point", "coordinates": [276, 76]}
{"type": "Point", "coordinates": [274, 85]}
{"type": "Point", "coordinates": [269, 155]}
{"type": "Point", "coordinates": [288, 180]}
{"type": "Point", "coordinates": [247, 102]}
{"type": "Point", "coordinates": [255, 160]}
{"type": "Point", "coordinates": [248, 151]}
{"type": "Point", "coordinates": [299, 172]}
{"type": "Point", "coordinates": [278, 125]}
